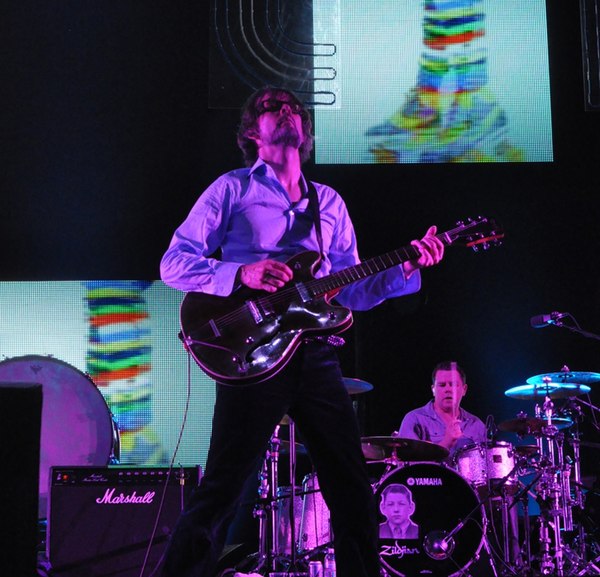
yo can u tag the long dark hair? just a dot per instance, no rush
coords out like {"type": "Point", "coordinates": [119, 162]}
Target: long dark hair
{"type": "Point", "coordinates": [248, 119]}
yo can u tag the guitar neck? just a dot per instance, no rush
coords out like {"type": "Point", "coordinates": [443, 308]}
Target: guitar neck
{"type": "Point", "coordinates": [321, 286]}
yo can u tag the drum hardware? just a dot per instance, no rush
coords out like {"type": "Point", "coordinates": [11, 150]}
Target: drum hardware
{"type": "Point", "coordinates": [292, 528]}
{"type": "Point", "coordinates": [503, 488]}
{"type": "Point", "coordinates": [557, 483]}
{"type": "Point", "coordinates": [271, 500]}
{"type": "Point", "coordinates": [524, 425]}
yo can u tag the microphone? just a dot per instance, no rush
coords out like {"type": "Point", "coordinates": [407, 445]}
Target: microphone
{"type": "Point", "coordinates": [439, 545]}
{"type": "Point", "coordinates": [541, 321]}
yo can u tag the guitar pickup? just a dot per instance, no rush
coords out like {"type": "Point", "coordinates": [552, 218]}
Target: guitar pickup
{"type": "Point", "coordinates": [255, 312]}
{"type": "Point", "coordinates": [303, 292]}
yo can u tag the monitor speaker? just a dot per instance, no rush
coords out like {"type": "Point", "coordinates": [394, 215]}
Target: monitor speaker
{"type": "Point", "coordinates": [20, 426]}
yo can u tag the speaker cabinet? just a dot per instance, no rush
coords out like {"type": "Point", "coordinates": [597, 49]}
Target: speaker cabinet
{"type": "Point", "coordinates": [102, 520]}
{"type": "Point", "coordinates": [20, 426]}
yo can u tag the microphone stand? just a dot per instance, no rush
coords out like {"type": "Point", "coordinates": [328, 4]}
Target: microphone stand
{"type": "Point", "coordinates": [438, 545]}
{"type": "Point", "coordinates": [575, 329]}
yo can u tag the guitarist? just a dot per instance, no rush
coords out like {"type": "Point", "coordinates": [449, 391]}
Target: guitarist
{"type": "Point", "coordinates": [259, 217]}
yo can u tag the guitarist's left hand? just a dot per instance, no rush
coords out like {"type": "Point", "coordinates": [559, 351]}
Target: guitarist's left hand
{"type": "Point", "coordinates": [431, 249]}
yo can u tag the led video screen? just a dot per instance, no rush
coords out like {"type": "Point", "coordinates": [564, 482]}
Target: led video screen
{"type": "Point", "coordinates": [118, 338]}
{"type": "Point", "coordinates": [432, 81]}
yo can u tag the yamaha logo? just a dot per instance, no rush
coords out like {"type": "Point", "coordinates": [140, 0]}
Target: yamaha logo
{"type": "Point", "coordinates": [424, 481]}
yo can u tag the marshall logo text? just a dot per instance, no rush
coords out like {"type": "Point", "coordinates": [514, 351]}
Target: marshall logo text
{"type": "Point", "coordinates": [110, 498]}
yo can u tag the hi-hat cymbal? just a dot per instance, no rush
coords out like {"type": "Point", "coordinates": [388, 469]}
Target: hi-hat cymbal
{"type": "Point", "coordinates": [532, 425]}
{"type": "Point", "coordinates": [565, 377]}
{"type": "Point", "coordinates": [356, 386]}
{"type": "Point", "coordinates": [553, 390]}
{"type": "Point", "coordinates": [375, 448]}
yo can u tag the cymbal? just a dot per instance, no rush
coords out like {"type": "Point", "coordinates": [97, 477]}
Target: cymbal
{"type": "Point", "coordinates": [566, 377]}
{"type": "Point", "coordinates": [404, 449]}
{"type": "Point", "coordinates": [356, 386]}
{"type": "Point", "coordinates": [537, 391]}
{"type": "Point", "coordinates": [532, 425]}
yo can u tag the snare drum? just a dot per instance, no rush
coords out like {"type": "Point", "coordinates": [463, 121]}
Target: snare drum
{"type": "Point", "coordinates": [284, 530]}
{"type": "Point", "coordinates": [437, 500]}
{"type": "Point", "coordinates": [312, 518]}
{"type": "Point", "coordinates": [77, 427]}
{"type": "Point", "coordinates": [315, 526]}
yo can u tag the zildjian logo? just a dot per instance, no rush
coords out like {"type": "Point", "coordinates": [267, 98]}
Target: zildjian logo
{"type": "Point", "coordinates": [398, 550]}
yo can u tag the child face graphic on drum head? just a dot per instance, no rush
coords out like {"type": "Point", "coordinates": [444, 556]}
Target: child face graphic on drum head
{"type": "Point", "coordinates": [397, 506]}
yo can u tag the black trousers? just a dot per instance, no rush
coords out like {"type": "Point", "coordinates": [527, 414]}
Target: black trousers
{"type": "Point", "coordinates": [311, 391]}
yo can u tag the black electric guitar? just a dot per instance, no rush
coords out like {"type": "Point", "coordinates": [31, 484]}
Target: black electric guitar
{"type": "Point", "coordinates": [249, 336]}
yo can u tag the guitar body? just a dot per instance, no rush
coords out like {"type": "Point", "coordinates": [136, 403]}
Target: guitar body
{"type": "Point", "coordinates": [249, 336]}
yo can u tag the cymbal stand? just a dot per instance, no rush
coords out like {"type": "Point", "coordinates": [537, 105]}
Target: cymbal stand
{"type": "Point", "coordinates": [551, 490]}
{"type": "Point", "coordinates": [523, 497]}
{"type": "Point", "coordinates": [390, 463]}
{"type": "Point", "coordinates": [500, 489]}
{"type": "Point", "coordinates": [292, 517]}
{"type": "Point", "coordinates": [267, 506]}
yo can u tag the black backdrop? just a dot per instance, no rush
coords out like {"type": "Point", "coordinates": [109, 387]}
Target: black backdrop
{"type": "Point", "coordinates": [107, 140]}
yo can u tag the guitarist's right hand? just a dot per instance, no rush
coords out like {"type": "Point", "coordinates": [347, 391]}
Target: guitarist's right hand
{"type": "Point", "coordinates": [268, 275]}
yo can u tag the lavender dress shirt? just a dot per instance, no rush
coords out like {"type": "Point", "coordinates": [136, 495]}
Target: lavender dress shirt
{"type": "Point", "coordinates": [248, 215]}
{"type": "Point", "coordinates": [425, 424]}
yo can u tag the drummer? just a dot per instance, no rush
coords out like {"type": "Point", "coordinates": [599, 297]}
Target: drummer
{"type": "Point", "coordinates": [442, 420]}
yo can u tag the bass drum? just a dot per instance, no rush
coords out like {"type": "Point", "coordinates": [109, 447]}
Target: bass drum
{"type": "Point", "coordinates": [428, 500]}
{"type": "Point", "coordinates": [77, 426]}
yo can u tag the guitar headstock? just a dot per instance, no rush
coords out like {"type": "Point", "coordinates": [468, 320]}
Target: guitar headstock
{"type": "Point", "coordinates": [478, 233]}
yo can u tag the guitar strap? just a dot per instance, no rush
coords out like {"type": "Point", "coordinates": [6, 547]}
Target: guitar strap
{"type": "Point", "coordinates": [313, 204]}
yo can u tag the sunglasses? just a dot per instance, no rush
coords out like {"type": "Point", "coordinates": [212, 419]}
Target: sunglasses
{"type": "Point", "coordinates": [275, 105]}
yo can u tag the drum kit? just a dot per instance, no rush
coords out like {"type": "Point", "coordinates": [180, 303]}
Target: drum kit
{"type": "Point", "coordinates": [477, 499]}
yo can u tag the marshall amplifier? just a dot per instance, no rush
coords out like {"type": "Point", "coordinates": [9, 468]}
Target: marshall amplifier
{"type": "Point", "coordinates": [110, 521]}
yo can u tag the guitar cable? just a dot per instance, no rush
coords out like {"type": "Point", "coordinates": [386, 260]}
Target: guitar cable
{"type": "Point", "coordinates": [170, 470]}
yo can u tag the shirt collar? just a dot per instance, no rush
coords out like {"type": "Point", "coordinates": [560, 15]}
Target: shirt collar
{"type": "Point", "coordinates": [464, 416]}
{"type": "Point", "coordinates": [260, 167]}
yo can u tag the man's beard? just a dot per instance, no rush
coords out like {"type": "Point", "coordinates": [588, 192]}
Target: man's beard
{"type": "Point", "coordinates": [287, 135]}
